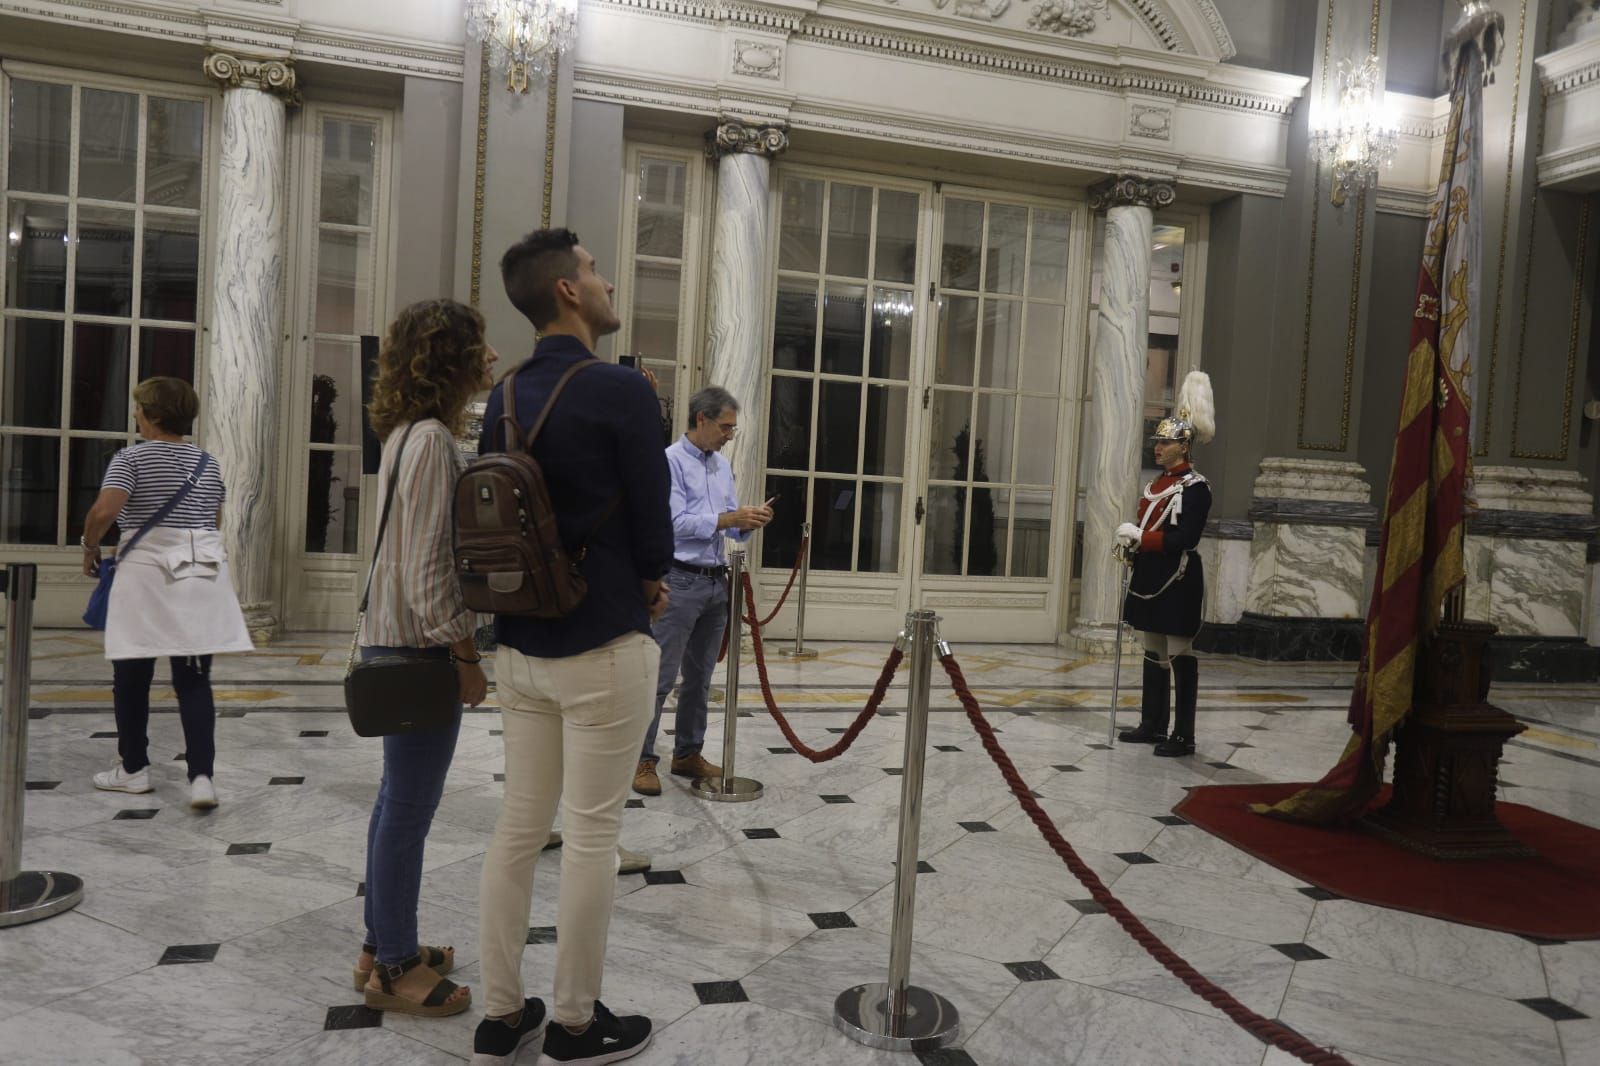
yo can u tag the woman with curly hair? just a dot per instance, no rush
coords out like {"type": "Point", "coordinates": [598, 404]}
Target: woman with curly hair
{"type": "Point", "coordinates": [432, 362]}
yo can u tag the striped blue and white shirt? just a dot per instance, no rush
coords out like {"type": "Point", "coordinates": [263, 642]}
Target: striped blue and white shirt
{"type": "Point", "coordinates": [151, 472]}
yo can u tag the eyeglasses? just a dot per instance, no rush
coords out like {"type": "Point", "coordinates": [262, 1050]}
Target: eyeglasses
{"type": "Point", "coordinates": [730, 428]}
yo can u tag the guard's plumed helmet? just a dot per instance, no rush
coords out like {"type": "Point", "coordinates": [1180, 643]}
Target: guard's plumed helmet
{"type": "Point", "coordinates": [1195, 420]}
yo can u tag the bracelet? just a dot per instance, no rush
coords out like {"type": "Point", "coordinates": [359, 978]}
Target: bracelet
{"type": "Point", "coordinates": [460, 659]}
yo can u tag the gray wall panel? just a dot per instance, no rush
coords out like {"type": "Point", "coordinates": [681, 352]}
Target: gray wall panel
{"type": "Point", "coordinates": [594, 196]}
{"type": "Point", "coordinates": [1397, 256]}
{"type": "Point", "coordinates": [1271, 34]}
{"type": "Point", "coordinates": [426, 194]}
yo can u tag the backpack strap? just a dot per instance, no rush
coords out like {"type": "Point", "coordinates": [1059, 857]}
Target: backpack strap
{"type": "Point", "coordinates": [549, 404]}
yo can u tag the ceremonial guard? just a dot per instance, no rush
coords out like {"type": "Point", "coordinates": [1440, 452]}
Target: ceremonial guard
{"type": "Point", "coordinates": [1167, 587]}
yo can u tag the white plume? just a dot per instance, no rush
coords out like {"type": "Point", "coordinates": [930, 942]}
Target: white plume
{"type": "Point", "coordinates": [1195, 399]}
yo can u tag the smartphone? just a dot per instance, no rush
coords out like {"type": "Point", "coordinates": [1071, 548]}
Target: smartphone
{"type": "Point", "coordinates": [772, 501]}
{"type": "Point", "coordinates": [630, 361]}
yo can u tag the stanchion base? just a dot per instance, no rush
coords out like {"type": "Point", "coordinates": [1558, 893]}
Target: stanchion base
{"type": "Point", "coordinates": [790, 653]}
{"type": "Point", "coordinates": [34, 895]}
{"type": "Point", "coordinates": [727, 790]}
{"type": "Point", "coordinates": [930, 1020]}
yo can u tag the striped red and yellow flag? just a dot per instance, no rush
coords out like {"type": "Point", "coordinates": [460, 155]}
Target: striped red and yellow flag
{"type": "Point", "coordinates": [1420, 555]}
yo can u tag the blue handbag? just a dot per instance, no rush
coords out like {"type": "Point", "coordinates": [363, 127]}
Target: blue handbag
{"type": "Point", "coordinates": [94, 616]}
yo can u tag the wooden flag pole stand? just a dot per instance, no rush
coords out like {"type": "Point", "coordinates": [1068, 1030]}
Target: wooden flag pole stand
{"type": "Point", "coordinates": [1447, 754]}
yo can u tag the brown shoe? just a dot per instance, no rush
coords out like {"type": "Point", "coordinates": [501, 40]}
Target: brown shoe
{"type": "Point", "coordinates": [694, 765]}
{"type": "Point", "coordinates": [645, 781]}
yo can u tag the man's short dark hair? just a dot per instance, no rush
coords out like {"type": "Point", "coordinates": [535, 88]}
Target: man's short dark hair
{"type": "Point", "coordinates": [531, 267]}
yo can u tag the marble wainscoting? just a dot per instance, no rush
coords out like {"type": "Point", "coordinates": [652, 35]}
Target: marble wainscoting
{"type": "Point", "coordinates": [1225, 551]}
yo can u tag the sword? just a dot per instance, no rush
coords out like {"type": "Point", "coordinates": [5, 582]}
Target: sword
{"type": "Point", "coordinates": [1123, 556]}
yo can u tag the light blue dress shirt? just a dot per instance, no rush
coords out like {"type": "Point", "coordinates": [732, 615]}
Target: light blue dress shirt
{"type": "Point", "coordinates": [702, 489]}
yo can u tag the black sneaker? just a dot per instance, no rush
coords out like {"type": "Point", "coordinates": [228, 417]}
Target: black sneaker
{"type": "Point", "coordinates": [608, 1039]}
{"type": "Point", "coordinates": [497, 1044]}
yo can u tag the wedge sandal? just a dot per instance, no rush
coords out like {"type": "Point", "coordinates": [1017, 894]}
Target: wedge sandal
{"type": "Point", "coordinates": [437, 1003]}
{"type": "Point", "coordinates": [440, 960]}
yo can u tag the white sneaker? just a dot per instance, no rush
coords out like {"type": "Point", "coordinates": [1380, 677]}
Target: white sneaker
{"type": "Point", "coordinates": [117, 779]}
{"type": "Point", "coordinates": [202, 793]}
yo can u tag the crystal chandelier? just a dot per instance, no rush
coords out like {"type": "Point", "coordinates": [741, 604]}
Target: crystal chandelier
{"type": "Point", "coordinates": [523, 37]}
{"type": "Point", "coordinates": [1361, 139]}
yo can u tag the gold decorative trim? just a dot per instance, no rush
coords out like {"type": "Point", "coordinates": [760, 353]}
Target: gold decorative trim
{"type": "Point", "coordinates": [1572, 355]}
{"type": "Point", "coordinates": [552, 90]}
{"type": "Point", "coordinates": [1505, 229]}
{"type": "Point", "coordinates": [479, 170]}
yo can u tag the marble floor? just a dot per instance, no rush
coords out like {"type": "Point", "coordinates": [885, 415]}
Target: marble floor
{"type": "Point", "coordinates": [228, 938]}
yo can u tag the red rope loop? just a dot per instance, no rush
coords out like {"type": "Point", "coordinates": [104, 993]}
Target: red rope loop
{"type": "Point", "coordinates": [879, 691]}
{"type": "Point", "coordinates": [794, 572]}
{"type": "Point", "coordinates": [1264, 1029]}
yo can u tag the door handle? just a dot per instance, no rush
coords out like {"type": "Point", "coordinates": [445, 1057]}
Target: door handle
{"type": "Point", "coordinates": [921, 510]}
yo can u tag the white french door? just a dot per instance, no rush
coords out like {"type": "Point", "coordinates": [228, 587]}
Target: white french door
{"type": "Point", "coordinates": [923, 345]}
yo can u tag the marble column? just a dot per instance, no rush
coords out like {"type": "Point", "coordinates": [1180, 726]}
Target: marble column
{"type": "Point", "coordinates": [1116, 393]}
{"type": "Point", "coordinates": [741, 252]}
{"type": "Point", "coordinates": [245, 356]}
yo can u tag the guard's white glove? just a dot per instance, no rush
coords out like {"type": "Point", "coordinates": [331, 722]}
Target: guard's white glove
{"type": "Point", "coordinates": [1128, 535]}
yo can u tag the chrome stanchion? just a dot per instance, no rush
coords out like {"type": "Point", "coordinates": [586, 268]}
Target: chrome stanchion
{"type": "Point", "coordinates": [1122, 556]}
{"type": "Point", "coordinates": [728, 788]}
{"type": "Point", "coordinates": [799, 649]}
{"type": "Point", "coordinates": [25, 895]}
{"type": "Point", "coordinates": [898, 1015]}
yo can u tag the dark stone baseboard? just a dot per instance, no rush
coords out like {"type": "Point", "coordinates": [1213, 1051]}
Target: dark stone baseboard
{"type": "Point", "coordinates": [1559, 660]}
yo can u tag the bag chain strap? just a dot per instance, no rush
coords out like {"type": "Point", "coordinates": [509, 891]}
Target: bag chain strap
{"type": "Point", "coordinates": [383, 524]}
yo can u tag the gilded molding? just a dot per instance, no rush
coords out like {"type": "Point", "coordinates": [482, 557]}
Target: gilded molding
{"type": "Point", "coordinates": [732, 135]}
{"type": "Point", "coordinates": [1572, 356]}
{"type": "Point", "coordinates": [1505, 232]}
{"type": "Point", "coordinates": [1130, 190]}
{"type": "Point", "coordinates": [273, 76]}
{"type": "Point", "coordinates": [552, 91]}
{"type": "Point", "coordinates": [479, 173]}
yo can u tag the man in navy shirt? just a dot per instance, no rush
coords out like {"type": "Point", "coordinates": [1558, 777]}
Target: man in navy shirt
{"type": "Point", "coordinates": [576, 693]}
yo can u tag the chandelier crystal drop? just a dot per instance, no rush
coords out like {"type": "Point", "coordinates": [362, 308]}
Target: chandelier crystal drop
{"type": "Point", "coordinates": [1360, 140]}
{"type": "Point", "coordinates": [523, 37]}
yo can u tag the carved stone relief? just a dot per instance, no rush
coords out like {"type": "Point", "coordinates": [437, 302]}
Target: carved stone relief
{"type": "Point", "coordinates": [1151, 120]}
{"type": "Point", "coordinates": [1069, 18]}
{"type": "Point", "coordinates": [982, 10]}
{"type": "Point", "coordinates": [758, 59]}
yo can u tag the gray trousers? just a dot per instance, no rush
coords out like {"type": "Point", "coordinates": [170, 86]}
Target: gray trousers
{"type": "Point", "coordinates": [690, 635]}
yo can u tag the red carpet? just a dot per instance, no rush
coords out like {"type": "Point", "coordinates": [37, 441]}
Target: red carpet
{"type": "Point", "coordinates": [1551, 895]}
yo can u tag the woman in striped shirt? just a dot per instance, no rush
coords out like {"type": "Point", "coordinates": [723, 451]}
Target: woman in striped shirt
{"type": "Point", "coordinates": [433, 361]}
{"type": "Point", "coordinates": [172, 597]}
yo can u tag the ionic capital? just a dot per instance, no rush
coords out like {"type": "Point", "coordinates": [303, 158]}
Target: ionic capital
{"type": "Point", "coordinates": [733, 135]}
{"type": "Point", "coordinates": [275, 76]}
{"type": "Point", "coordinates": [1130, 190]}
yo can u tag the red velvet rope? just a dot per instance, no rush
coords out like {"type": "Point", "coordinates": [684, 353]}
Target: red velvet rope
{"type": "Point", "coordinates": [1264, 1029]}
{"type": "Point", "coordinates": [879, 690]}
{"type": "Point", "coordinates": [794, 572]}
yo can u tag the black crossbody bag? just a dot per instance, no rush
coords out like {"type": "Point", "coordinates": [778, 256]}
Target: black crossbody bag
{"type": "Point", "coordinates": [397, 693]}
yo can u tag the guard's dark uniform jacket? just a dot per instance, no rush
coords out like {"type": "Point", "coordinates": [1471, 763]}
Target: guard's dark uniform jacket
{"type": "Point", "coordinates": [1167, 590]}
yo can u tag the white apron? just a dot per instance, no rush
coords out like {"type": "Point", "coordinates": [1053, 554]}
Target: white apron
{"type": "Point", "coordinates": [173, 597]}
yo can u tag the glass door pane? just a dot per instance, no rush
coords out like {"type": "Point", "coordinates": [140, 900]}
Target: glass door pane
{"type": "Point", "coordinates": [844, 324]}
{"type": "Point", "coordinates": [995, 389]}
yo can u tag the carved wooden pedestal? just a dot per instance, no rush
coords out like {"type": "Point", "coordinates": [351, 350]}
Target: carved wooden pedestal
{"type": "Point", "coordinates": [1447, 754]}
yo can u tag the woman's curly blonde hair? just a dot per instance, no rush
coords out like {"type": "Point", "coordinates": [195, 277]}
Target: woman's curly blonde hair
{"type": "Point", "coordinates": [430, 366]}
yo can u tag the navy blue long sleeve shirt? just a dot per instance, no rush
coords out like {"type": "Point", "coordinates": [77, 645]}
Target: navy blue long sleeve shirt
{"type": "Point", "coordinates": [603, 438]}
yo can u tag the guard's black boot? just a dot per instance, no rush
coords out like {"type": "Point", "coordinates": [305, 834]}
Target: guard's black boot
{"type": "Point", "coordinates": [1185, 694]}
{"type": "Point", "coordinates": [1152, 728]}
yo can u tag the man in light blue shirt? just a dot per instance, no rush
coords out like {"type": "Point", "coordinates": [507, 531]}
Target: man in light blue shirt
{"type": "Point", "coordinates": [704, 510]}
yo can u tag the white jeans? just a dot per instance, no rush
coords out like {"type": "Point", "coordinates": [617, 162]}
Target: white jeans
{"type": "Point", "coordinates": [572, 732]}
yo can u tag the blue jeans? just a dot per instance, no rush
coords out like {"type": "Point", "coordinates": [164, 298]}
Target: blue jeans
{"type": "Point", "coordinates": [690, 635]}
{"type": "Point", "coordinates": [414, 767]}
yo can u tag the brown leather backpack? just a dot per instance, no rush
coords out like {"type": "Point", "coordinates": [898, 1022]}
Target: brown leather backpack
{"type": "Point", "coordinates": [508, 551]}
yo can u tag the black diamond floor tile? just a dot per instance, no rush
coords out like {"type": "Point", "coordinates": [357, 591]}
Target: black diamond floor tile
{"type": "Point", "coordinates": [499, 777]}
{"type": "Point", "coordinates": [946, 1056]}
{"type": "Point", "coordinates": [36, 713]}
{"type": "Point", "coordinates": [313, 732]}
{"type": "Point", "coordinates": [232, 712]}
{"type": "Point", "coordinates": [1100, 747]}
{"type": "Point", "coordinates": [946, 747]}
{"type": "Point", "coordinates": [359, 1016]}
{"type": "Point", "coordinates": [1170, 819]}
{"type": "Point", "coordinates": [361, 890]}
{"type": "Point", "coordinates": [1032, 971]}
{"type": "Point", "coordinates": [893, 771]}
{"type": "Point", "coordinates": [837, 799]}
{"type": "Point", "coordinates": [1256, 728]}
{"type": "Point", "coordinates": [832, 920]}
{"type": "Point", "coordinates": [1136, 858]}
{"type": "Point", "coordinates": [977, 827]}
{"type": "Point", "coordinates": [761, 834]}
{"type": "Point", "coordinates": [720, 992]}
{"type": "Point", "coordinates": [1086, 906]}
{"type": "Point", "coordinates": [781, 751]}
{"type": "Point", "coordinates": [923, 867]}
{"type": "Point", "coordinates": [1553, 1009]}
{"type": "Point", "coordinates": [664, 877]}
{"type": "Point", "coordinates": [496, 732]}
{"type": "Point", "coordinates": [1064, 768]}
{"type": "Point", "coordinates": [104, 735]}
{"type": "Point", "coordinates": [41, 786]}
{"type": "Point", "coordinates": [136, 814]}
{"type": "Point", "coordinates": [1321, 895]}
{"type": "Point", "coordinates": [634, 804]}
{"type": "Point", "coordinates": [1221, 765]}
{"type": "Point", "coordinates": [287, 781]}
{"type": "Point", "coordinates": [1300, 952]}
{"type": "Point", "coordinates": [1021, 713]}
{"type": "Point", "coordinates": [746, 714]}
{"type": "Point", "coordinates": [888, 714]}
{"type": "Point", "coordinates": [1541, 941]}
{"type": "Point", "coordinates": [249, 849]}
{"type": "Point", "coordinates": [542, 934]}
{"type": "Point", "coordinates": [188, 953]}
{"type": "Point", "coordinates": [838, 729]}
